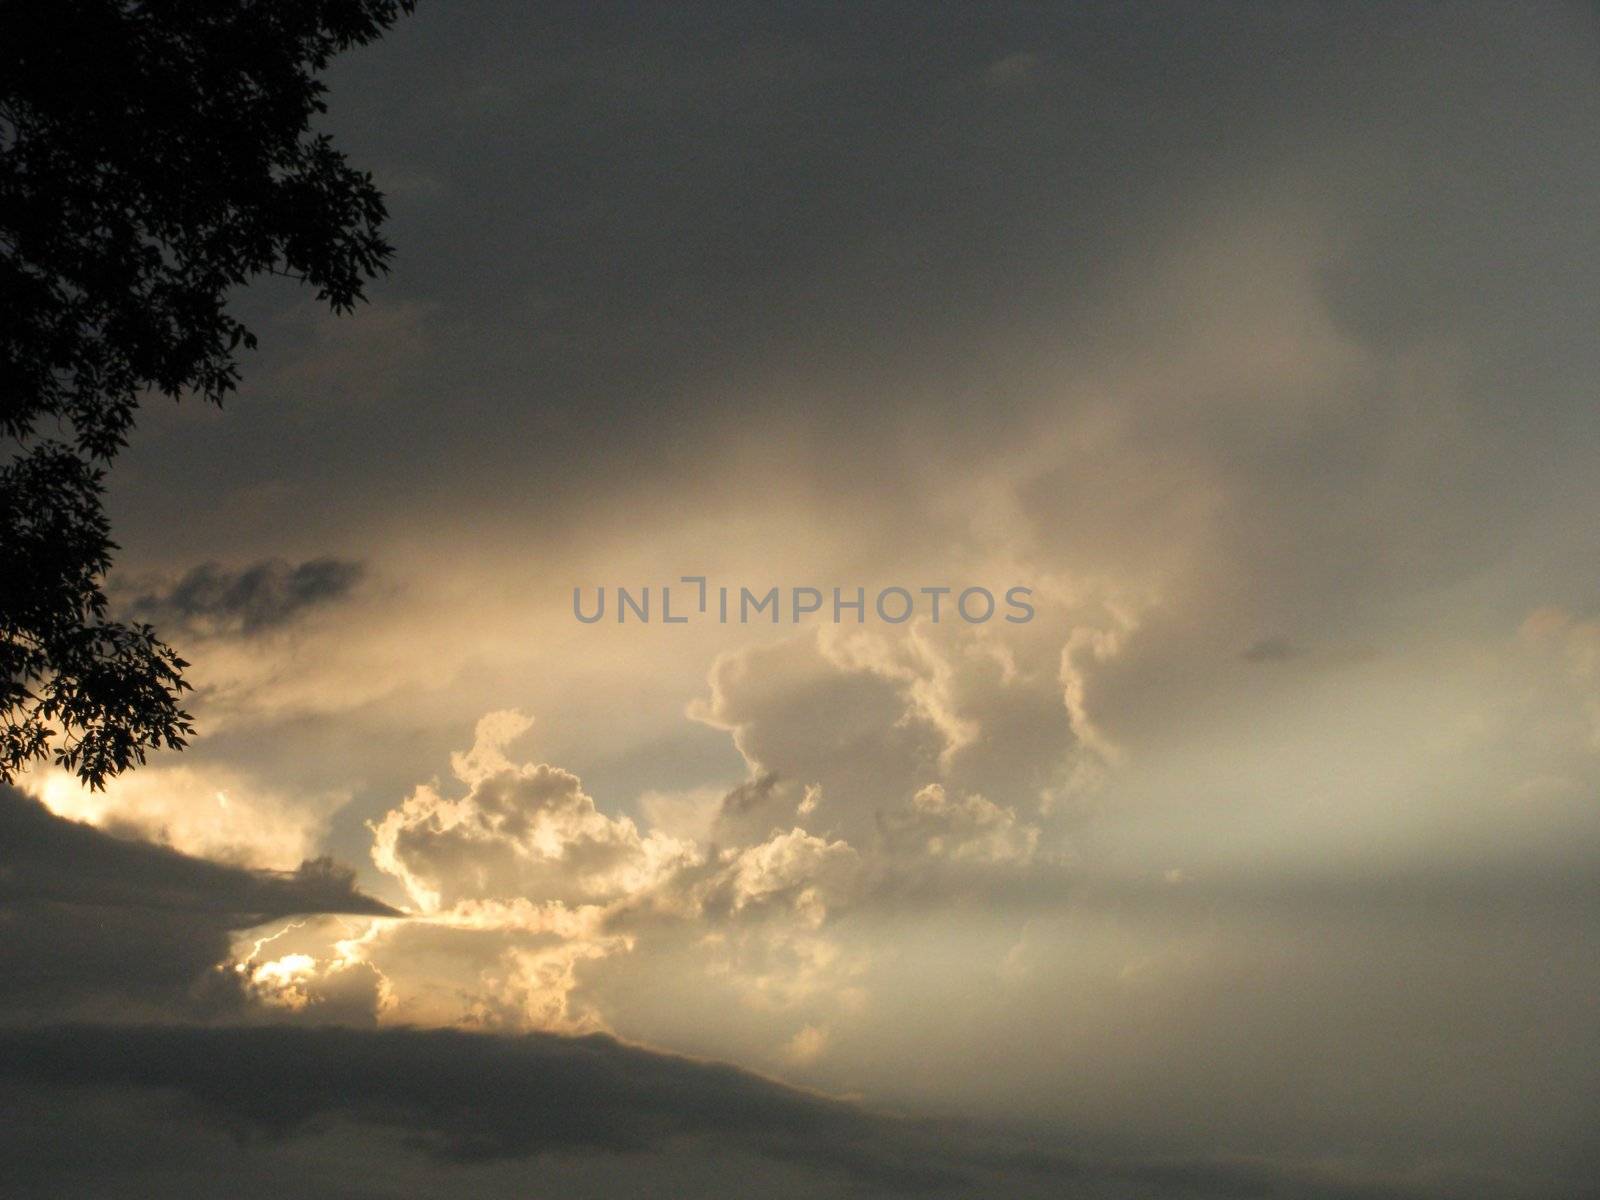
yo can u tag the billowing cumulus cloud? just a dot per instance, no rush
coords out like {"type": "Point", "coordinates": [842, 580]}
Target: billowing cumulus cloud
{"type": "Point", "coordinates": [799, 715]}
{"type": "Point", "coordinates": [522, 881]}
{"type": "Point", "coordinates": [849, 726]}
{"type": "Point", "coordinates": [970, 829]}
{"type": "Point", "coordinates": [530, 898]}
{"type": "Point", "coordinates": [526, 832]}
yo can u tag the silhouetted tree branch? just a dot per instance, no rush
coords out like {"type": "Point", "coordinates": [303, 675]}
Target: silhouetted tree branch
{"type": "Point", "coordinates": [153, 155]}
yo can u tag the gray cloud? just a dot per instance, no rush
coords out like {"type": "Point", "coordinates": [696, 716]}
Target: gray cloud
{"type": "Point", "coordinates": [94, 923]}
{"type": "Point", "coordinates": [68, 862]}
{"type": "Point", "coordinates": [213, 598]}
{"type": "Point", "coordinates": [751, 794]}
{"type": "Point", "coordinates": [471, 1099]}
{"type": "Point", "coordinates": [851, 210]}
{"type": "Point", "coordinates": [1273, 649]}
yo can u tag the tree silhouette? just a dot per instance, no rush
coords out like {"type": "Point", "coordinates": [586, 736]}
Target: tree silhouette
{"type": "Point", "coordinates": [154, 154]}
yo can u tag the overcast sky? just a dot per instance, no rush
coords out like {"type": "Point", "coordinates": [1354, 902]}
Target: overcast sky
{"type": "Point", "coordinates": [1258, 341]}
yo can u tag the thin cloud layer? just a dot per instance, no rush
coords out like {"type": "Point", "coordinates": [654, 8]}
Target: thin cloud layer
{"type": "Point", "coordinates": [213, 599]}
{"type": "Point", "coordinates": [471, 1099]}
{"type": "Point", "coordinates": [97, 924]}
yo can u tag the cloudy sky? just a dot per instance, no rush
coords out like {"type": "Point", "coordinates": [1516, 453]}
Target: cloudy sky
{"type": "Point", "coordinates": [1257, 341]}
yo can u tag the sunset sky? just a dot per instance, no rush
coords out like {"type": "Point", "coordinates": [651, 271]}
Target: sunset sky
{"type": "Point", "coordinates": [1259, 341]}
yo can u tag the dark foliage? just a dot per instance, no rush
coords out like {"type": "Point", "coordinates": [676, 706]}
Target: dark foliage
{"type": "Point", "coordinates": [153, 156]}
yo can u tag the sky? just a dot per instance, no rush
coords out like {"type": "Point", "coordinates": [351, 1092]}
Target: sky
{"type": "Point", "coordinates": [1256, 342]}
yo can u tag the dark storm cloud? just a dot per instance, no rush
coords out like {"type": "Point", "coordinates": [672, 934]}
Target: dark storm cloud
{"type": "Point", "coordinates": [470, 1099]}
{"type": "Point", "coordinates": [90, 921]}
{"type": "Point", "coordinates": [704, 213]}
{"type": "Point", "coordinates": [264, 595]}
{"type": "Point", "coordinates": [466, 1096]}
{"type": "Point", "coordinates": [47, 857]}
